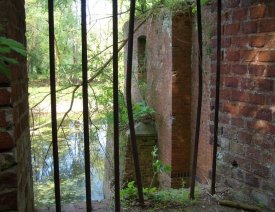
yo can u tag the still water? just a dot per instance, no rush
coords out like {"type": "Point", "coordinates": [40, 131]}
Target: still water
{"type": "Point", "coordinates": [71, 164]}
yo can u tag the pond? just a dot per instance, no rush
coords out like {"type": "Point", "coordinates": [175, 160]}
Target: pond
{"type": "Point", "coordinates": [71, 162]}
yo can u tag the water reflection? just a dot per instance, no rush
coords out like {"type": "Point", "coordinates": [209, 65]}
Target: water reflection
{"type": "Point", "coordinates": [71, 157]}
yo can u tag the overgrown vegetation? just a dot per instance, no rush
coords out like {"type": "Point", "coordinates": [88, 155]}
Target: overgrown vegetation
{"type": "Point", "coordinates": [68, 76]}
{"type": "Point", "coordinates": [7, 46]}
{"type": "Point", "coordinates": [158, 199]}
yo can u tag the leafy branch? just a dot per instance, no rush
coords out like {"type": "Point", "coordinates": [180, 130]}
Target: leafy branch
{"type": "Point", "coordinates": [6, 47]}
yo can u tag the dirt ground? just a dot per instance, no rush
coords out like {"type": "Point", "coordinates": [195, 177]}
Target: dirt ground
{"type": "Point", "coordinates": [206, 203]}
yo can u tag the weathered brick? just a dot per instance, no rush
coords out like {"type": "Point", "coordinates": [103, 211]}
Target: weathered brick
{"type": "Point", "coordinates": [249, 27]}
{"type": "Point", "coordinates": [4, 81]}
{"type": "Point", "coordinates": [239, 41]}
{"type": "Point", "coordinates": [261, 126]}
{"type": "Point", "coordinates": [247, 3]}
{"type": "Point", "coordinates": [231, 82]}
{"type": "Point", "coordinates": [260, 170]}
{"type": "Point", "coordinates": [231, 29]}
{"type": "Point", "coordinates": [247, 83]}
{"type": "Point", "coordinates": [258, 99]}
{"type": "Point", "coordinates": [237, 148]}
{"type": "Point", "coordinates": [265, 85]}
{"type": "Point", "coordinates": [240, 96]}
{"type": "Point", "coordinates": [267, 56]}
{"type": "Point", "coordinates": [231, 3]}
{"type": "Point", "coordinates": [267, 25]}
{"type": "Point", "coordinates": [6, 141]}
{"type": "Point", "coordinates": [270, 71]}
{"type": "Point", "coordinates": [263, 142]}
{"type": "Point", "coordinates": [5, 97]}
{"type": "Point", "coordinates": [238, 122]}
{"type": "Point", "coordinates": [3, 122]}
{"type": "Point", "coordinates": [13, 193]}
{"type": "Point", "coordinates": [230, 108]}
{"type": "Point", "coordinates": [264, 114]}
{"type": "Point", "coordinates": [271, 10]}
{"type": "Point", "coordinates": [233, 55]}
{"type": "Point", "coordinates": [226, 16]}
{"type": "Point", "coordinates": [238, 174]}
{"type": "Point", "coordinates": [225, 94]}
{"type": "Point", "coordinates": [225, 42]}
{"type": "Point", "coordinates": [251, 180]}
{"type": "Point", "coordinates": [257, 11]}
{"type": "Point", "coordinates": [245, 137]}
{"type": "Point", "coordinates": [223, 118]}
{"type": "Point", "coordinates": [8, 201]}
{"type": "Point", "coordinates": [247, 110]}
{"type": "Point", "coordinates": [225, 69]}
{"type": "Point", "coordinates": [259, 41]}
{"type": "Point", "coordinates": [239, 69]}
{"type": "Point", "coordinates": [248, 55]}
{"type": "Point", "coordinates": [239, 14]}
{"type": "Point", "coordinates": [256, 70]}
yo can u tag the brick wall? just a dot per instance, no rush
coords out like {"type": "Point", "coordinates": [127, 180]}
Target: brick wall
{"type": "Point", "coordinates": [15, 159]}
{"type": "Point", "coordinates": [181, 98]}
{"type": "Point", "coordinates": [246, 131]}
{"type": "Point", "coordinates": [159, 58]}
{"type": "Point", "coordinates": [204, 165]}
{"type": "Point", "coordinates": [168, 91]}
{"type": "Point", "coordinates": [146, 140]}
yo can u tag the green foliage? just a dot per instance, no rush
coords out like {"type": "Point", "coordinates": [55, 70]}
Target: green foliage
{"type": "Point", "coordinates": [158, 198]}
{"type": "Point", "coordinates": [141, 111]}
{"type": "Point", "coordinates": [144, 5]}
{"type": "Point", "coordinates": [194, 6]}
{"type": "Point", "coordinates": [7, 46]}
{"type": "Point", "coordinates": [158, 166]}
{"type": "Point", "coordinates": [129, 193]}
{"type": "Point", "coordinates": [176, 196]}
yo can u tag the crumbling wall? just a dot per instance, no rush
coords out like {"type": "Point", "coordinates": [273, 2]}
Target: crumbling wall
{"type": "Point", "coordinates": [168, 88]}
{"type": "Point", "coordinates": [15, 158]}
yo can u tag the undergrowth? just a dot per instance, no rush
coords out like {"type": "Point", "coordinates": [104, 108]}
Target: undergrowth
{"type": "Point", "coordinates": [158, 199]}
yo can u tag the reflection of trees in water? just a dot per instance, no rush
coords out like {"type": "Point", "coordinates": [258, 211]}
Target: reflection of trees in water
{"type": "Point", "coordinates": [71, 161]}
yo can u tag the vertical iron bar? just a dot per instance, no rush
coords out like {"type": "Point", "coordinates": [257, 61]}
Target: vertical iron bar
{"type": "Point", "coordinates": [217, 100]}
{"type": "Point", "coordinates": [116, 105]}
{"type": "Point", "coordinates": [85, 104]}
{"type": "Point", "coordinates": [198, 120]}
{"type": "Point", "coordinates": [129, 100]}
{"type": "Point", "coordinates": [53, 106]}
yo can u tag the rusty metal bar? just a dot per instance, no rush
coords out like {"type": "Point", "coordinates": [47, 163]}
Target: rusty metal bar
{"type": "Point", "coordinates": [129, 100]}
{"type": "Point", "coordinates": [53, 106]}
{"type": "Point", "coordinates": [85, 105]}
{"type": "Point", "coordinates": [116, 106]}
{"type": "Point", "coordinates": [198, 120]}
{"type": "Point", "coordinates": [217, 100]}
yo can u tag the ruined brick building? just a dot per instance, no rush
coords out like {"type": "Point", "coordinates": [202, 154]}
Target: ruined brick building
{"type": "Point", "coordinates": [165, 76]}
{"type": "Point", "coordinates": [166, 64]}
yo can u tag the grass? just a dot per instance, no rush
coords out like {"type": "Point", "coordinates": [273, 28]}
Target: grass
{"type": "Point", "coordinates": [159, 199]}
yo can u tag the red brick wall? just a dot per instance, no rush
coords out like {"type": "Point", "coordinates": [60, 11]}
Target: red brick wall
{"type": "Point", "coordinates": [159, 81]}
{"type": "Point", "coordinates": [181, 98]}
{"type": "Point", "coordinates": [168, 49]}
{"type": "Point", "coordinates": [15, 159]}
{"type": "Point", "coordinates": [204, 165]}
{"type": "Point", "coordinates": [246, 131]}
